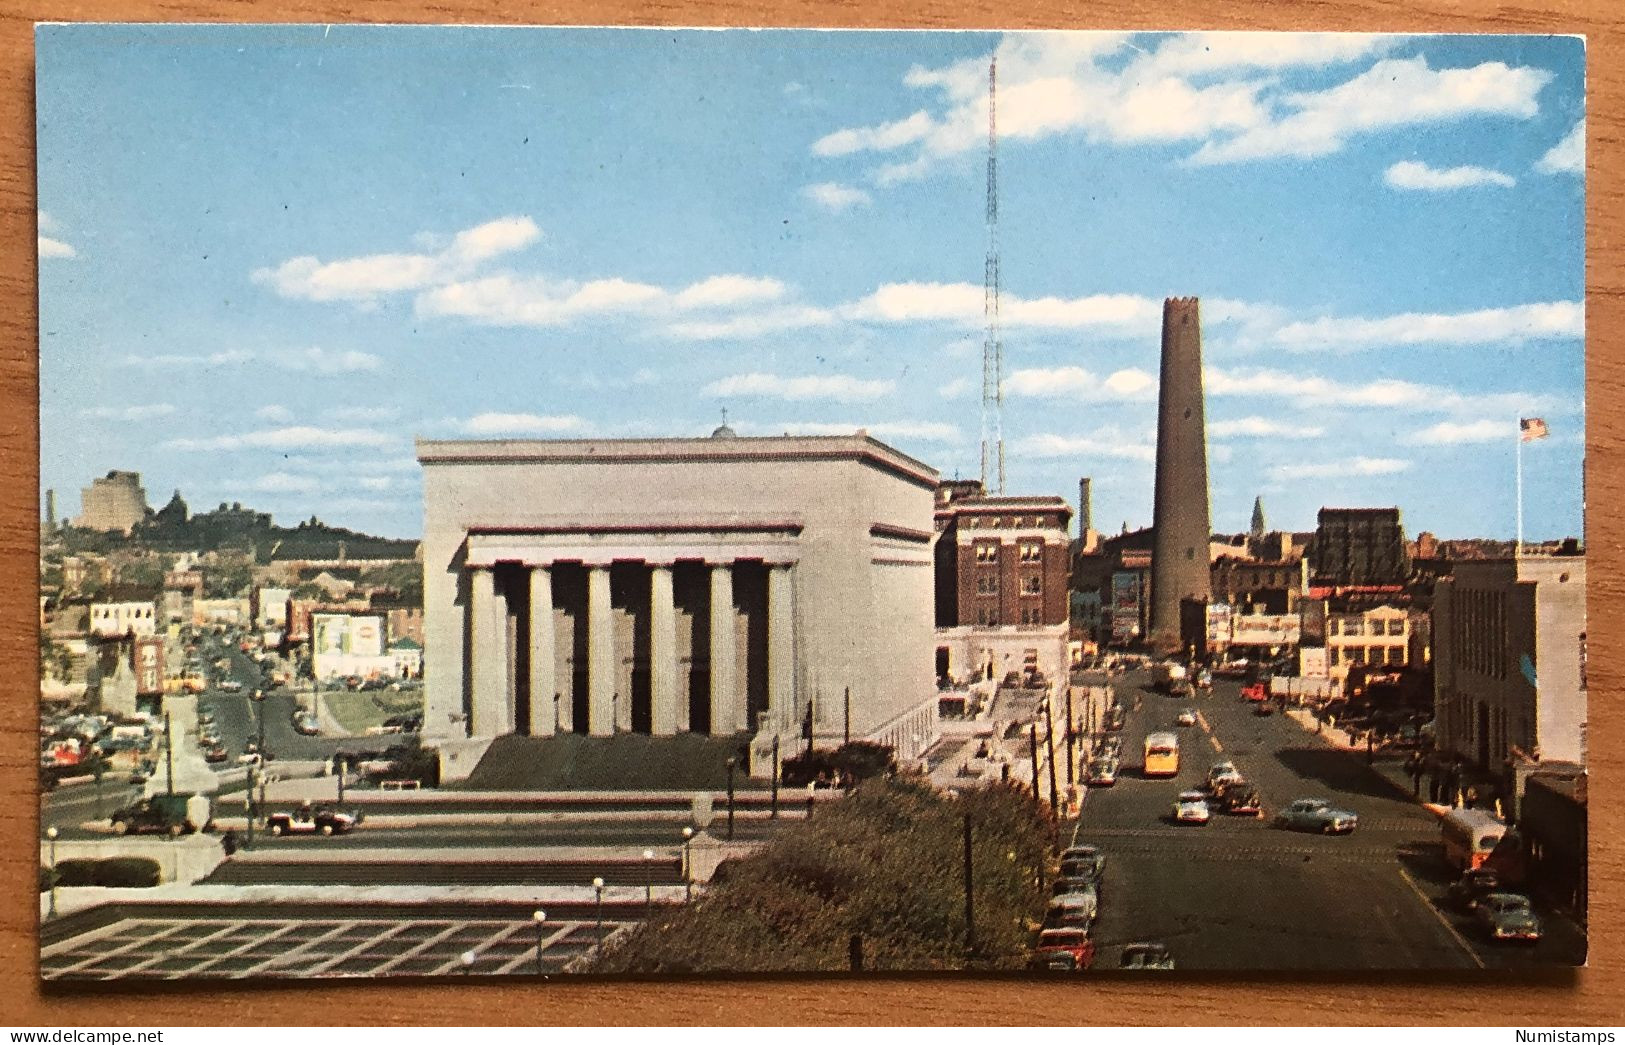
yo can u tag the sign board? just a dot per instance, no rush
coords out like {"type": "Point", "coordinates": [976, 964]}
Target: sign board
{"type": "Point", "coordinates": [149, 666]}
{"type": "Point", "coordinates": [1265, 629]}
{"type": "Point", "coordinates": [1125, 607]}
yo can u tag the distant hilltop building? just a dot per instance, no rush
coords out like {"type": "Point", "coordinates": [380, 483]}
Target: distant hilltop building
{"type": "Point", "coordinates": [114, 502]}
{"type": "Point", "coordinates": [1179, 560]}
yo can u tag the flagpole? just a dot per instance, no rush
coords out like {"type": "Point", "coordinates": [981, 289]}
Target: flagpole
{"type": "Point", "coordinates": [1517, 549]}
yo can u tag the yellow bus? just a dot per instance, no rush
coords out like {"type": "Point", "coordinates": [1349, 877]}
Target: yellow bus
{"type": "Point", "coordinates": [1161, 754]}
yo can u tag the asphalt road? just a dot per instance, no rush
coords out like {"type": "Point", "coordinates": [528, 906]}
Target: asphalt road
{"type": "Point", "coordinates": [1239, 894]}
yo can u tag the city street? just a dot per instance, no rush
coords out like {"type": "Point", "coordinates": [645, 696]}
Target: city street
{"type": "Point", "coordinates": [1241, 894]}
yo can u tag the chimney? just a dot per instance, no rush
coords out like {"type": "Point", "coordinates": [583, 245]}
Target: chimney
{"type": "Point", "coordinates": [1086, 520]}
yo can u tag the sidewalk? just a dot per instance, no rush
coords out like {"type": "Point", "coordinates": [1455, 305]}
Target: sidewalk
{"type": "Point", "coordinates": [1390, 765]}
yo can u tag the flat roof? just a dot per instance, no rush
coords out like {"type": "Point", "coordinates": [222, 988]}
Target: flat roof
{"type": "Point", "coordinates": [712, 449]}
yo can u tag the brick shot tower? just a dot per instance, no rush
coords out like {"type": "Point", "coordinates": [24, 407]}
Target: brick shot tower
{"type": "Point", "coordinates": [1179, 560]}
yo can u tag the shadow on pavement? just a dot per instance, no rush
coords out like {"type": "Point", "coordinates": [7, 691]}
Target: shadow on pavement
{"type": "Point", "coordinates": [1340, 771]}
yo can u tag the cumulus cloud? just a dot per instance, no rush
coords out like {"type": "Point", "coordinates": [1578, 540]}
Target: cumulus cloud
{"type": "Point", "coordinates": [753, 324]}
{"type": "Point", "coordinates": [1381, 394]}
{"type": "Point", "coordinates": [958, 388]}
{"type": "Point", "coordinates": [173, 361]}
{"type": "Point", "coordinates": [728, 292]}
{"type": "Point", "coordinates": [1342, 469]}
{"type": "Point", "coordinates": [1051, 445]}
{"type": "Point", "coordinates": [49, 247]}
{"type": "Point", "coordinates": [523, 424]}
{"type": "Point", "coordinates": [1075, 382]}
{"type": "Point", "coordinates": [833, 196]}
{"type": "Point", "coordinates": [129, 413]}
{"type": "Point", "coordinates": [296, 437]}
{"type": "Point", "coordinates": [838, 387]}
{"type": "Point", "coordinates": [1261, 428]}
{"type": "Point", "coordinates": [1409, 174]}
{"type": "Point", "coordinates": [1567, 156]}
{"type": "Point", "coordinates": [917, 431]}
{"type": "Point", "coordinates": [963, 303]}
{"type": "Point", "coordinates": [370, 276]}
{"type": "Point", "coordinates": [1514, 324]}
{"type": "Point", "coordinates": [1451, 433]}
{"type": "Point", "coordinates": [322, 361]}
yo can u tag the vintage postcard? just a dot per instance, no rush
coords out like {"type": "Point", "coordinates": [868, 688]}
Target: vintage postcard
{"type": "Point", "coordinates": [521, 502]}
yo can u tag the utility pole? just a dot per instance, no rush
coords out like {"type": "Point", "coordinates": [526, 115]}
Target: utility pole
{"type": "Point", "coordinates": [1049, 747]}
{"type": "Point", "coordinates": [1032, 747]}
{"type": "Point", "coordinates": [169, 756]}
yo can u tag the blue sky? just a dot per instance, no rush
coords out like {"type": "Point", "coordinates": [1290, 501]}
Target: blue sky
{"type": "Point", "coordinates": [271, 256]}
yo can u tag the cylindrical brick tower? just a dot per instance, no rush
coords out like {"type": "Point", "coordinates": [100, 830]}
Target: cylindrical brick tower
{"type": "Point", "coordinates": [1179, 562]}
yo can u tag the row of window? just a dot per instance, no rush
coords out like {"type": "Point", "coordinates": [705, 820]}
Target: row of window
{"type": "Point", "coordinates": [1478, 624]}
{"type": "Point", "coordinates": [108, 613]}
{"type": "Point", "coordinates": [1357, 626]}
{"type": "Point", "coordinates": [1339, 655]}
{"type": "Point", "coordinates": [1026, 551]}
{"type": "Point", "coordinates": [1015, 521]}
{"type": "Point", "coordinates": [1031, 584]}
{"type": "Point", "coordinates": [988, 616]}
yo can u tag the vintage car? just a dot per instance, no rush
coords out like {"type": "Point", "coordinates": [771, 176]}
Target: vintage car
{"type": "Point", "coordinates": [1508, 917]}
{"type": "Point", "coordinates": [306, 820]}
{"type": "Point", "coordinates": [1146, 956]}
{"type": "Point", "coordinates": [1191, 808]}
{"type": "Point", "coordinates": [1062, 950]}
{"type": "Point", "coordinates": [1317, 814]}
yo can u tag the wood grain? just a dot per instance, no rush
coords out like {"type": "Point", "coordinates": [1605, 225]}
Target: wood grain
{"type": "Point", "coordinates": [1592, 996]}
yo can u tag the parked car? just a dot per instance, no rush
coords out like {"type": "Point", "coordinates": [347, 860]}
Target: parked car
{"type": "Point", "coordinates": [1191, 808]}
{"type": "Point", "coordinates": [215, 754]}
{"type": "Point", "coordinates": [1223, 774]}
{"type": "Point", "coordinates": [1317, 814]}
{"type": "Point", "coordinates": [1063, 950]}
{"type": "Point", "coordinates": [1102, 772]}
{"type": "Point", "coordinates": [1508, 917]}
{"type": "Point", "coordinates": [230, 686]}
{"type": "Point", "coordinates": [306, 820]}
{"type": "Point", "coordinates": [305, 722]}
{"type": "Point", "coordinates": [1146, 956]}
{"type": "Point", "coordinates": [1077, 909]}
{"type": "Point", "coordinates": [1187, 717]}
{"type": "Point", "coordinates": [1470, 889]}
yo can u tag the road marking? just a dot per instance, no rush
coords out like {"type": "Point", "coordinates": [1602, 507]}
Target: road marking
{"type": "Point", "coordinates": [1215, 742]}
{"type": "Point", "coordinates": [1200, 721]}
{"type": "Point", "coordinates": [1451, 929]}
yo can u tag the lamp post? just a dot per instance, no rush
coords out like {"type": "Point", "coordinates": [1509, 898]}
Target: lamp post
{"type": "Point", "coordinates": [775, 813]}
{"type": "Point", "coordinates": [1071, 739]}
{"type": "Point", "coordinates": [258, 697]}
{"type": "Point", "coordinates": [688, 868]}
{"type": "Point", "coordinates": [540, 918]}
{"type": "Point", "coordinates": [50, 832]}
{"type": "Point", "coordinates": [732, 764]}
{"type": "Point", "coordinates": [169, 757]}
{"type": "Point", "coordinates": [648, 884]}
{"type": "Point", "coordinates": [248, 804]}
{"type": "Point", "coordinates": [598, 898]}
{"type": "Point", "coordinates": [812, 786]}
{"type": "Point", "coordinates": [467, 958]}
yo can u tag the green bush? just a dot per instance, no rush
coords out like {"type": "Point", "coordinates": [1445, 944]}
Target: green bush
{"type": "Point", "coordinates": [75, 872]}
{"type": "Point", "coordinates": [885, 864]}
{"type": "Point", "coordinates": [855, 760]}
{"type": "Point", "coordinates": [127, 872]}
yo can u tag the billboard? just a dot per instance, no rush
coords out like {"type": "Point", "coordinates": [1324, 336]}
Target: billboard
{"type": "Point", "coordinates": [1125, 607]}
{"type": "Point", "coordinates": [149, 666]}
{"type": "Point", "coordinates": [1265, 629]}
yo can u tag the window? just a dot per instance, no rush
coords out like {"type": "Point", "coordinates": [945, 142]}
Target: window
{"type": "Point", "coordinates": [1356, 654]}
{"type": "Point", "coordinates": [987, 553]}
{"type": "Point", "coordinates": [987, 584]}
{"type": "Point", "coordinates": [1396, 626]}
{"type": "Point", "coordinates": [1032, 616]}
{"type": "Point", "coordinates": [1331, 627]}
{"type": "Point", "coordinates": [1396, 654]}
{"type": "Point", "coordinates": [1353, 626]}
{"type": "Point", "coordinates": [987, 615]}
{"type": "Point", "coordinates": [1031, 552]}
{"type": "Point", "coordinates": [1032, 584]}
{"type": "Point", "coordinates": [1335, 656]}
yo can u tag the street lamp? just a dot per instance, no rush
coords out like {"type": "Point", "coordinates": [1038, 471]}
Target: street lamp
{"type": "Point", "coordinates": [688, 868]}
{"type": "Point", "coordinates": [467, 958]}
{"type": "Point", "coordinates": [598, 894]}
{"type": "Point", "coordinates": [50, 832]}
{"type": "Point", "coordinates": [733, 763]}
{"type": "Point", "coordinates": [812, 785]}
{"type": "Point", "coordinates": [648, 884]}
{"type": "Point", "coordinates": [248, 803]}
{"type": "Point", "coordinates": [540, 918]}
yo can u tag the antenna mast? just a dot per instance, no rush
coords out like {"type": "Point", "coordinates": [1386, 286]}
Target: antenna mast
{"type": "Point", "coordinates": [992, 346]}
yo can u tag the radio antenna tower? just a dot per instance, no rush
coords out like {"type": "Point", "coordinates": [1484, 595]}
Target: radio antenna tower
{"type": "Point", "coordinates": [992, 347]}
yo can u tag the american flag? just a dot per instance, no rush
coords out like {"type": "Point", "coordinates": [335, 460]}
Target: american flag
{"type": "Point", "coordinates": [1531, 428]}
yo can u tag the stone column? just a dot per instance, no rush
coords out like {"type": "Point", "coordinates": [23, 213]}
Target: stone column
{"type": "Point", "coordinates": [781, 648]}
{"type": "Point", "coordinates": [725, 695]}
{"type": "Point", "coordinates": [489, 675]}
{"type": "Point", "coordinates": [600, 654]}
{"type": "Point", "coordinates": [662, 654]}
{"type": "Point", "coordinates": [543, 674]}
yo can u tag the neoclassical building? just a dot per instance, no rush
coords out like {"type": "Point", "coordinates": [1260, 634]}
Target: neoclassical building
{"type": "Point", "coordinates": [723, 585]}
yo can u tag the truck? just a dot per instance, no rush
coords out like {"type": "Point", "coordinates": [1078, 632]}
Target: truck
{"type": "Point", "coordinates": [1165, 674]}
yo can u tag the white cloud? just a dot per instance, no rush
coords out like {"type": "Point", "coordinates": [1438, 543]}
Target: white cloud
{"type": "Point", "coordinates": [1514, 324]}
{"type": "Point", "coordinates": [958, 388]}
{"type": "Point", "coordinates": [1105, 445]}
{"type": "Point", "coordinates": [1409, 174]}
{"type": "Point", "coordinates": [728, 292]}
{"type": "Point", "coordinates": [1567, 156]}
{"type": "Point", "coordinates": [55, 248]}
{"type": "Point", "coordinates": [321, 361]}
{"type": "Point", "coordinates": [296, 437]}
{"type": "Point", "coordinates": [375, 483]}
{"type": "Point", "coordinates": [1450, 433]}
{"type": "Point", "coordinates": [1343, 469]}
{"type": "Point", "coordinates": [1395, 92]}
{"type": "Point", "coordinates": [838, 387]}
{"type": "Point", "coordinates": [523, 424]}
{"type": "Point", "coordinates": [882, 137]}
{"type": "Point", "coordinates": [229, 357]}
{"type": "Point", "coordinates": [285, 482]}
{"type": "Point", "coordinates": [129, 413]}
{"type": "Point", "coordinates": [757, 324]}
{"type": "Point", "coordinates": [274, 412]}
{"type": "Point", "coordinates": [534, 301]}
{"type": "Point", "coordinates": [362, 414]}
{"type": "Point", "coordinates": [1075, 382]}
{"type": "Point", "coordinates": [1261, 428]}
{"type": "Point", "coordinates": [836, 197]}
{"type": "Point", "coordinates": [963, 303]}
{"type": "Point", "coordinates": [1382, 394]}
{"type": "Point", "coordinates": [371, 276]}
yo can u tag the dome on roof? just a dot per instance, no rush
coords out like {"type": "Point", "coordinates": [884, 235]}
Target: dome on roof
{"type": "Point", "coordinates": [724, 432]}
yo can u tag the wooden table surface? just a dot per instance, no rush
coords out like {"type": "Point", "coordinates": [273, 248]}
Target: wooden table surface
{"type": "Point", "coordinates": [1593, 996]}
